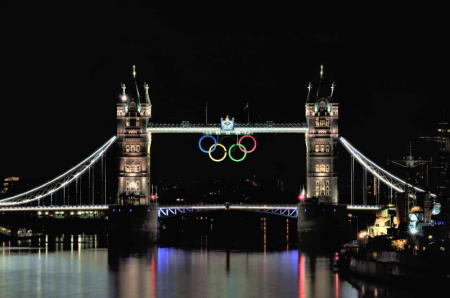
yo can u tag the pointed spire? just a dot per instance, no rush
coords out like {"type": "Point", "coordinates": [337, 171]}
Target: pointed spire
{"type": "Point", "coordinates": [136, 85]}
{"type": "Point", "coordinates": [333, 85]}
{"type": "Point", "coordinates": [320, 81]}
{"type": "Point", "coordinates": [124, 94]}
{"type": "Point", "coordinates": [134, 71]}
{"type": "Point", "coordinates": [147, 95]}
{"type": "Point", "coordinates": [309, 90]}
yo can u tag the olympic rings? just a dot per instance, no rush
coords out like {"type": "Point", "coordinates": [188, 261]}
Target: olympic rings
{"type": "Point", "coordinates": [254, 143]}
{"type": "Point", "coordinates": [210, 137]}
{"type": "Point", "coordinates": [215, 146]}
{"type": "Point", "coordinates": [240, 147]}
{"type": "Point", "coordinates": [230, 150]}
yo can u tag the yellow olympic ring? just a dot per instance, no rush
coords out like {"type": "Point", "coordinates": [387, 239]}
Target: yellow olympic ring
{"type": "Point", "coordinates": [224, 152]}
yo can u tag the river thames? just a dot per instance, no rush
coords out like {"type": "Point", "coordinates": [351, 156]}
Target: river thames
{"type": "Point", "coordinates": [85, 270]}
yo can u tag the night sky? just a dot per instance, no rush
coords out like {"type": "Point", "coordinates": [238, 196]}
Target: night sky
{"type": "Point", "coordinates": [62, 68]}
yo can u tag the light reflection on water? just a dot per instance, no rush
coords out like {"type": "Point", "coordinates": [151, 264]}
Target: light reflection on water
{"type": "Point", "coordinates": [83, 270]}
{"type": "Point", "coordinates": [165, 272]}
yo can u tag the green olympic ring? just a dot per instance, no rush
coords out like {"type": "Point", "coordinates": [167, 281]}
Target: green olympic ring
{"type": "Point", "coordinates": [240, 146]}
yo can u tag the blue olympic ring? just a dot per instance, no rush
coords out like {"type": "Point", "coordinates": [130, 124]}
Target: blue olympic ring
{"type": "Point", "coordinates": [204, 137]}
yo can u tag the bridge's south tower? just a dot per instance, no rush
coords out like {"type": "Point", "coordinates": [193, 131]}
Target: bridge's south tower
{"type": "Point", "coordinates": [133, 115]}
{"type": "Point", "coordinates": [322, 115]}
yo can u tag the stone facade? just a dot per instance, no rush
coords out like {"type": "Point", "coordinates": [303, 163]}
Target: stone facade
{"type": "Point", "coordinates": [134, 156]}
{"type": "Point", "coordinates": [321, 176]}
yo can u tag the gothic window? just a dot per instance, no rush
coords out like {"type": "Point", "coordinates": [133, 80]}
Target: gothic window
{"type": "Point", "coordinates": [138, 186]}
{"type": "Point", "coordinates": [316, 148]}
{"type": "Point", "coordinates": [322, 148]}
{"type": "Point", "coordinates": [322, 168]}
{"type": "Point", "coordinates": [328, 182]}
{"type": "Point", "coordinates": [327, 148]}
{"type": "Point", "coordinates": [127, 169]}
{"type": "Point", "coordinates": [127, 148]}
{"type": "Point", "coordinates": [138, 148]}
{"type": "Point", "coordinates": [132, 122]}
{"type": "Point", "coordinates": [138, 168]}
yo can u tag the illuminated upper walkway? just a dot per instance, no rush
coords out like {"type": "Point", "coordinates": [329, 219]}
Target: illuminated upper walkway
{"type": "Point", "coordinates": [216, 128]}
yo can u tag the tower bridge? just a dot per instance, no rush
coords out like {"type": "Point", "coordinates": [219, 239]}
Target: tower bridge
{"type": "Point", "coordinates": [134, 138]}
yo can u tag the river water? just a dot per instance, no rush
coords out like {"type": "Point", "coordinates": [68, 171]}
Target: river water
{"type": "Point", "coordinates": [85, 270]}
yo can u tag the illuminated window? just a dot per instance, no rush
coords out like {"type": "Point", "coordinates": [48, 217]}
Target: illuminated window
{"type": "Point", "coordinates": [127, 148]}
{"type": "Point", "coordinates": [322, 168]}
{"type": "Point", "coordinates": [316, 148]}
{"type": "Point", "coordinates": [327, 148]}
{"type": "Point", "coordinates": [138, 185]}
{"type": "Point", "coordinates": [322, 148]}
{"type": "Point", "coordinates": [138, 148]}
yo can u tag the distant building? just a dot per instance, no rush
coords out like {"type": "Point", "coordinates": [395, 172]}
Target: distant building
{"type": "Point", "coordinates": [8, 183]}
{"type": "Point", "coordinates": [439, 172]}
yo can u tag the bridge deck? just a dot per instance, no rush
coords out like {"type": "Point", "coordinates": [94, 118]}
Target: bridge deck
{"type": "Point", "coordinates": [197, 207]}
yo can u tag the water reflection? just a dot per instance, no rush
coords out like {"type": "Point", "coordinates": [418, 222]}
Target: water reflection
{"type": "Point", "coordinates": [173, 272]}
{"type": "Point", "coordinates": [82, 270]}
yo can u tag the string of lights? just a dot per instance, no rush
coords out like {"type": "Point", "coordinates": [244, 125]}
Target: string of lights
{"type": "Point", "coordinates": [59, 182]}
{"type": "Point", "coordinates": [389, 179]}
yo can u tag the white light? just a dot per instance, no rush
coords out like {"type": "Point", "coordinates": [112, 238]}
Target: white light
{"type": "Point", "coordinates": [365, 162]}
{"type": "Point", "coordinates": [95, 156]}
{"type": "Point", "coordinates": [413, 231]}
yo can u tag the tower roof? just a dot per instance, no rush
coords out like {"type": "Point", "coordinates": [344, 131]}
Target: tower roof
{"type": "Point", "coordinates": [134, 95]}
{"type": "Point", "coordinates": [323, 89]}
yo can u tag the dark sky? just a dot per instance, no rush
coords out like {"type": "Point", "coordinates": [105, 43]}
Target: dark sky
{"type": "Point", "coordinates": [62, 68]}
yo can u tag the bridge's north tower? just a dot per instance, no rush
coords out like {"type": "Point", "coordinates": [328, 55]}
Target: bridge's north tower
{"type": "Point", "coordinates": [322, 114]}
{"type": "Point", "coordinates": [133, 115]}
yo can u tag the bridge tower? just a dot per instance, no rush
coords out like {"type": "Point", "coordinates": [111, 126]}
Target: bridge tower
{"type": "Point", "coordinates": [322, 114]}
{"type": "Point", "coordinates": [133, 115]}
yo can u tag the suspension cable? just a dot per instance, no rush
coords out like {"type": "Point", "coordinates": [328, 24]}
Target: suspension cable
{"type": "Point", "coordinates": [59, 182]}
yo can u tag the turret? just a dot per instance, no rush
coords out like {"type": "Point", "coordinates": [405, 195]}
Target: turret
{"type": "Point", "coordinates": [322, 114]}
{"type": "Point", "coordinates": [134, 144]}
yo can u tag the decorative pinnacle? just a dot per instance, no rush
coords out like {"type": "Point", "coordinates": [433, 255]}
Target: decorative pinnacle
{"type": "Point", "coordinates": [134, 71]}
{"type": "Point", "coordinates": [309, 90]}
{"type": "Point", "coordinates": [333, 85]}
{"type": "Point", "coordinates": [321, 71]}
{"type": "Point", "coordinates": [147, 95]}
{"type": "Point", "coordinates": [123, 88]}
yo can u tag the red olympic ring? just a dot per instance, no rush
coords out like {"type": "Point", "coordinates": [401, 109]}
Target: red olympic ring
{"type": "Point", "coordinates": [254, 143]}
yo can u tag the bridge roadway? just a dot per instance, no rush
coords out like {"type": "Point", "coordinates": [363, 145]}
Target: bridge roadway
{"type": "Point", "coordinates": [288, 210]}
{"type": "Point", "coordinates": [237, 129]}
